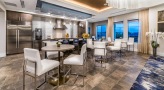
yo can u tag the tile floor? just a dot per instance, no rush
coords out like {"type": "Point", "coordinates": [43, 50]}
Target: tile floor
{"type": "Point", "coordinates": [119, 74]}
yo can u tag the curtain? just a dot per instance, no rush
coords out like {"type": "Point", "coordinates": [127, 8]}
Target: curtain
{"type": "Point", "coordinates": [93, 29]}
{"type": "Point", "coordinates": [110, 27]}
{"type": "Point", "coordinates": [143, 45]}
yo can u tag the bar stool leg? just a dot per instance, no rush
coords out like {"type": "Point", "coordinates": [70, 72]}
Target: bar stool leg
{"type": "Point", "coordinates": [58, 77]}
{"type": "Point", "coordinates": [23, 78]}
{"type": "Point", "coordinates": [83, 75]}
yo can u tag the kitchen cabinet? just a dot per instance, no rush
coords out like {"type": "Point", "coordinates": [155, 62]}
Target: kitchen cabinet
{"type": "Point", "coordinates": [17, 16]}
{"type": "Point", "coordinates": [26, 17]}
{"type": "Point", "coordinates": [13, 16]}
{"type": "Point", "coordinates": [19, 32]}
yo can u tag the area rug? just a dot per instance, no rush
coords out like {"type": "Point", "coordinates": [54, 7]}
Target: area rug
{"type": "Point", "coordinates": [152, 75]}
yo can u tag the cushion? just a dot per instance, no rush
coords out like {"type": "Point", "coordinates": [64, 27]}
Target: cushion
{"type": "Point", "coordinates": [73, 60]}
{"type": "Point", "coordinates": [113, 48]}
{"type": "Point", "coordinates": [54, 54]}
{"type": "Point", "coordinates": [48, 65]}
{"type": "Point", "coordinates": [130, 43]}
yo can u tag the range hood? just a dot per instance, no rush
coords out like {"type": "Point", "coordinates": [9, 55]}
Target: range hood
{"type": "Point", "coordinates": [59, 25]}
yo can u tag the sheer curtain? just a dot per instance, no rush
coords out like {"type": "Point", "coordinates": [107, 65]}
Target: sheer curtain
{"type": "Point", "coordinates": [110, 28]}
{"type": "Point", "coordinates": [143, 45]}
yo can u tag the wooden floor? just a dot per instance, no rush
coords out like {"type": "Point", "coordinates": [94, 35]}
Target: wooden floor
{"type": "Point", "coordinates": [119, 74]}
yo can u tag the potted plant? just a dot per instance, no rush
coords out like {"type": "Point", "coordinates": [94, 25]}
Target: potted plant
{"type": "Point", "coordinates": [154, 40]}
{"type": "Point", "coordinates": [58, 44]}
{"type": "Point", "coordinates": [67, 35]}
{"type": "Point", "coordinates": [85, 35]}
{"type": "Point", "coordinates": [154, 45]}
{"type": "Point", "coordinates": [103, 38]}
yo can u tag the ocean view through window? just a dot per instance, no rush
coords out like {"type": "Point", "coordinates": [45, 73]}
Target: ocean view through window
{"type": "Point", "coordinates": [101, 31]}
{"type": "Point", "coordinates": [133, 29]}
{"type": "Point", "coordinates": [118, 30]}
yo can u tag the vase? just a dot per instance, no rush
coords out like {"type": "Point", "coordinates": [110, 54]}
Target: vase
{"type": "Point", "coordinates": [154, 52]}
{"type": "Point", "coordinates": [58, 45]}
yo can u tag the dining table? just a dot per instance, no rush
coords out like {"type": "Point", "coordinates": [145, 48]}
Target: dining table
{"type": "Point", "coordinates": [63, 47]}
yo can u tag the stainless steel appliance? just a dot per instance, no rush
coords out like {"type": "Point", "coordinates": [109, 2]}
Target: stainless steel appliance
{"type": "Point", "coordinates": [38, 34]}
{"type": "Point", "coordinates": [19, 36]}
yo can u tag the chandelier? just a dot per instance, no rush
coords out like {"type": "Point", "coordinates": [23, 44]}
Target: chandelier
{"type": "Point", "coordinates": [123, 4]}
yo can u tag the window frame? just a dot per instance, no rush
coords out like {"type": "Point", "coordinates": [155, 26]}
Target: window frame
{"type": "Point", "coordinates": [138, 28]}
{"type": "Point", "coordinates": [89, 30]}
{"type": "Point", "coordinates": [101, 30]}
{"type": "Point", "coordinates": [114, 29]}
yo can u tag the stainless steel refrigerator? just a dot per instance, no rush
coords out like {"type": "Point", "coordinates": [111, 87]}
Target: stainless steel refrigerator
{"type": "Point", "coordinates": [19, 36]}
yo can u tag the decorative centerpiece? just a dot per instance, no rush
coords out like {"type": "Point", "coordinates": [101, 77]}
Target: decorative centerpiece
{"type": "Point", "coordinates": [154, 37]}
{"type": "Point", "coordinates": [58, 44]}
{"type": "Point", "coordinates": [85, 35]}
{"type": "Point", "coordinates": [67, 35]}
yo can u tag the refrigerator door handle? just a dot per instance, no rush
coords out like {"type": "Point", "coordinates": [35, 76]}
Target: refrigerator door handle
{"type": "Point", "coordinates": [18, 38]}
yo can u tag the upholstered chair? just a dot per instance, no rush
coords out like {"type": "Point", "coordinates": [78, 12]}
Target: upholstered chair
{"type": "Point", "coordinates": [90, 44]}
{"type": "Point", "coordinates": [76, 44]}
{"type": "Point", "coordinates": [100, 51]}
{"type": "Point", "coordinates": [130, 43]}
{"type": "Point", "coordinates": [115, 47]}
{"type": "Point", "coordinates": [76, 60]}
{"type": "Point", "coordinates": [35, 67]}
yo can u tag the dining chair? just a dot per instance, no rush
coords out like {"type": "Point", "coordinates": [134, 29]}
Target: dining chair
{"type": "Point", "coordinates": [116, 47]}
{"type": "Point", "coordinates": [76, 60]}
{"type": "Point", "coordinates": [53, 54]}
{"type": "Point", "coordinates": [76, 44]}
{"type": "Point", "coordinates": [65, 41]}
{"type": "Point", "coordinates": [90, 45]}
{"type": "Point", "coordinates": [130, 43]}
{"type": "Point", "coordinates": [100, 52]}
{"type": "Point", "coordinates": [93, 38]}
{"type": "Point", "coordinates": [84, 41]}
{"type": "Point", "coordinates": [124, 46]}
{"type": "Point", "coordinates": [33, 66]}
{"type": "Point", "coordinates": [124, 42]}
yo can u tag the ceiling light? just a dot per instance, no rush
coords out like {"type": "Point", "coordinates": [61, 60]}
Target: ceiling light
{"type": "Point", "coordinates": [70, 23]}
{"type": "Point", "coordinates": [86, 6]}
{"type": "Point", "coordinates": [124, 4]}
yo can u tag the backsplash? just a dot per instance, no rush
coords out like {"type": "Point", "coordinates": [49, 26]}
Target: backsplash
{"type": "Point", "coordinates": [47, 25]}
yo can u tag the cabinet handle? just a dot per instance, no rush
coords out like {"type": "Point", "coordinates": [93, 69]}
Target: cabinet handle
{"type": "Point", "coordinates": [16, 39]}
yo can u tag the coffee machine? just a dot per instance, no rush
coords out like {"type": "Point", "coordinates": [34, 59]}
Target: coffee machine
{"type": "Point", "coordinates": [38, 34]}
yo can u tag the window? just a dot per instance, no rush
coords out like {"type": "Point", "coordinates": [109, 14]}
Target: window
{"type": "Point", "coordinates": [118, 30]}
{"type": "Point", "coordinates": [133, 29]}
{"type": "Point", "coordinates": [89, 30]}
{"type": "Point", "coordinates": [101, 31]}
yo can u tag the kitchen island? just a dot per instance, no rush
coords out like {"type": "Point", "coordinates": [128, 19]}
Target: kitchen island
{"type": "Point", "coordinates": [38, 44]}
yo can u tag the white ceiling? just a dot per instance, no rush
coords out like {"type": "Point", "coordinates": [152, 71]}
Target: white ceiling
{"type": "Point", "coordinates": [30, 6]}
